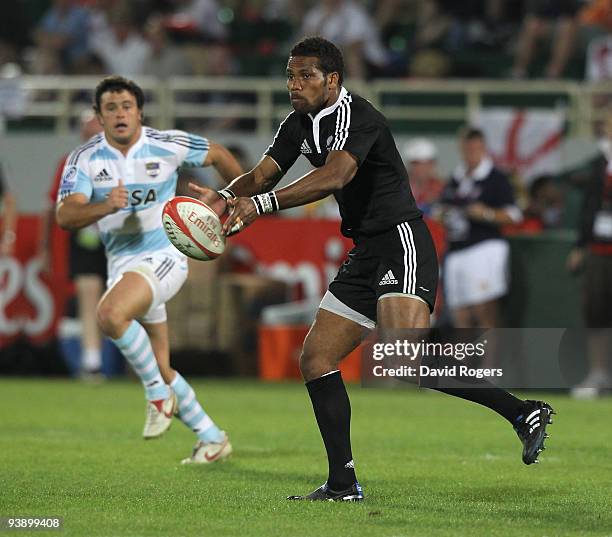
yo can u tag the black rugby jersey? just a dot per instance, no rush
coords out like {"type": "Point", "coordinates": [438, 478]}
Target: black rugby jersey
{"type": "Point", "coordinates": [379, 196]}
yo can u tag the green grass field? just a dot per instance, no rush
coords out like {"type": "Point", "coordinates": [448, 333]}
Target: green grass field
{"type": "Point", "coordinates": [429, 464]}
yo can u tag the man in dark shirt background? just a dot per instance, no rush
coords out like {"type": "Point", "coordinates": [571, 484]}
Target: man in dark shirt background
{"type": "Point", "coordinates": [476, 202]}
{"type": "Point", "coordinates": [593, 250]}
{"type": "Point", "coordinates": [389, 279]}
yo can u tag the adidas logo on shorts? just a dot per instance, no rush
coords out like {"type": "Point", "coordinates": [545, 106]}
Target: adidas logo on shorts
{"type": "Point", "coordinates": [305, 147]}
{"type": "Point", "coordinates": [388, 279]}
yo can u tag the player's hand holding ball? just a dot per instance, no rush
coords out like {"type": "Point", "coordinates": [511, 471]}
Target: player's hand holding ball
{"type": "Point", "coordinates": [209, 197]}
{"type": "Point", "coordinates": [242, 213]}
{"type": "Point", "coordinates": [117, 198]}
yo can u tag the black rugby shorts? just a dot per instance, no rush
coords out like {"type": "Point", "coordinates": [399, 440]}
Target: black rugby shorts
{"type": "Point", "coordinates": [86, 261]}
{"type": "Point", "coordinates": [401, 260]}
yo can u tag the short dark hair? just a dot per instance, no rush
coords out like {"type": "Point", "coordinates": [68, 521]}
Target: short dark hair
{"type": "Point", "coordinates": [539, 183]}
{"type": "Point", "coordinates": [328, 54]}
{"type": "Point", "coordinates": [471, 133]}
{"type": "Point", "coordinates": [117, 83]}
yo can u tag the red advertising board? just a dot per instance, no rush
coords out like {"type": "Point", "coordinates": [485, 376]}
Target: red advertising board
{"type": "Point", "coordinates": [303, 252]}
{"type": "Point", "coordinates": [31, 298]}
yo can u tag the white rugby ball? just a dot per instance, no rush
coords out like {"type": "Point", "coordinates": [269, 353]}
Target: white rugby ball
{"type": "Point", "coordinates": [193, 228]}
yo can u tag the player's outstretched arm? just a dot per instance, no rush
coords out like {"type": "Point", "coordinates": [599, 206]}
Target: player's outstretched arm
{"type": "Point", "coordinates": [75, 211]}
{"type": "Point", "coordinates": [262, 178]}
{"type": "Point", "coordinates": [223, 161]}
{"type": "Point", "coordinates": [338, 170]}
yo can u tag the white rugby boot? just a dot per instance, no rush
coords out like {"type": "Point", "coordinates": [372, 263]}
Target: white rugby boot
{"type": "Point", "coordinates": [208, 452]}
{"type": "Point", "coordinates": [159, 416]}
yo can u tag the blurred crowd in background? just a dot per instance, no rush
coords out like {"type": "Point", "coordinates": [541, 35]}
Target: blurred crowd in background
{"type": "Point", "coordinates": [388, 38]}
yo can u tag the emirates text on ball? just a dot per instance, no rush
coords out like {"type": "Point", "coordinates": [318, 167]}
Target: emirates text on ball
{"type": "Point", "coordinates": [205, 227]}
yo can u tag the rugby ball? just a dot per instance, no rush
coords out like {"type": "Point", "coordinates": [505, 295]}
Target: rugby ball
{"type": "Point", "coordinates": [193, 228]}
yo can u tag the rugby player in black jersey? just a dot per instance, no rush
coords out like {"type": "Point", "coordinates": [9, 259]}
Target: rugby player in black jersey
{"type": "Point", "coordinates": [390, 277]}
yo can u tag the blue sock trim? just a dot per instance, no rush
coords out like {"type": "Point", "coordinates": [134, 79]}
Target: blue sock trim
{"type": "Point", "coordinates": [124, 342]}
{"type": "Point", "coordinates": [182, 389]}
{"type": "Point", "coordinates": [128, 336]}
{"type": "Point", "coordinates": [180, 386]}
{"type": "Point", "coordinates": [212, 434]}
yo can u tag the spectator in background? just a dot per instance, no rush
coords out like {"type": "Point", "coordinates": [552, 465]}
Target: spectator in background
{"type": "Point", "coordinates": [477, 200]}
{"type": "Point", "coordinates": [596, 24]}
{"type": "Point", "coordinates": [432, 25]}
{"type": "Point", "coordinates": [61, 39]}
{"type": "Point", "coordinates": [99, 21]}
{"type": "Point", "coordinates": [545, 203]}
{"type": "Point", "coordinates": [123, 51]}
{"type": "Point", "coordinates": [540, 16]}
{"type": "Point", "coordinates": [597, 15]}
{"type": "Point", "coordinates": [165, 58]}
{"type": "Point", "coordinates": [594, 251]}
{"type": "Point", "coordinates": [349, 26]}
{"type": "Point", "coordinates": [428, 57]}
{"type": "Point", "coordinates": [87, 265]}
{"type": "Point", "coordinates": [420, 161]}
{"type": "Point", "coordinates": [8, 220]}
{"type": "Point", "coordinates": [198, 19]}
{"type": "Point", "coordinates": [14, 30]}
{"type": "Point", "coordinates": [480, 23]}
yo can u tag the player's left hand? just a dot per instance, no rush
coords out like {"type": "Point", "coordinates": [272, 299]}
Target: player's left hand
{"type": "Point", "coordinates": [242, 213]}
{"type": "Point", "coordinates": [210, 197]}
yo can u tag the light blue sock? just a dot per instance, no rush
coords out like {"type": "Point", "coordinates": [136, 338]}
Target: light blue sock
{"type": "Point", "coordinates": [192, 414]}
{"type": "Point", "coordinates": [136, 347]}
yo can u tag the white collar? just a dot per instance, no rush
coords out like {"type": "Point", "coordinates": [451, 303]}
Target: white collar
{"type": "Point", "coordinates": [329, 109]}
{"type": "Point", "coordinates": [481, 171]}
{"type": "Point", "coordinates": [325, 112]}
{"type": "Point", "coordinates": [132, 149]}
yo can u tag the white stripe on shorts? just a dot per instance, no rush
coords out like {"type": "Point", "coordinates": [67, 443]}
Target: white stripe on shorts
{"type": "Point", "coordinates": [410, 257]}
{"type": "Point", "coordinates": [413, 276]}
{"type": "Point", "coordinates": [331, 303]}
{"type": "Point", "coordinates": [401, 234]}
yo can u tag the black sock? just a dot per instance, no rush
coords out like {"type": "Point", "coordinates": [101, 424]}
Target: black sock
{"type": "Point", "coordinates": [479, 391]}
{"type": "Point", "coordinates": [332, 409]}
{"type": "Point", "coordinates": [501, 401]}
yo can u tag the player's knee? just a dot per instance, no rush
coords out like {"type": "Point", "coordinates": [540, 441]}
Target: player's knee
{"type": "Point", "coordinates": [306, 367]}
{"type": "Point", "coordinates": [111, 319]}
{"type": "Point", "coordinates": [313, 364]}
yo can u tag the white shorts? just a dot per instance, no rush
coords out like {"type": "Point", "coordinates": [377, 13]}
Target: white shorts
{"type": "Point", "coordinates": [476, 274]}
{"type": "Point", "coordinates": [165, 272]}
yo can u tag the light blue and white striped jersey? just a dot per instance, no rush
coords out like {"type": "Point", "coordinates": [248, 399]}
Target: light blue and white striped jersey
{"type": "Point", "coordinates": [148, 171]}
